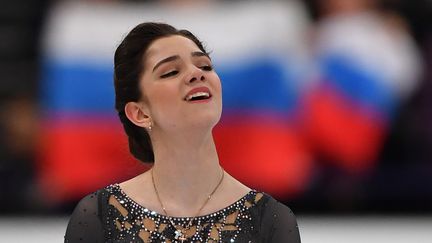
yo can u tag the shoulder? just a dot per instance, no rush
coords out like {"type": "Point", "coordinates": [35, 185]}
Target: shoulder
{"type": "Point", "coordinates": [278, 222]}
{"type": "Point", "coordinates": [94, 201]}
{"type": "Point", "coordinates": [273, 210]}
{"type": "Point", "coordinates": [277, 210]}
{"type": "Point", "coordinates": [85, 224]}
{"type": "Point", "coordinates": [87, 205]}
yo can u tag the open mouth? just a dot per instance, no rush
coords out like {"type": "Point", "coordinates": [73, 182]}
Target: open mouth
{"type": "Point", "coordinates": [198, 96]}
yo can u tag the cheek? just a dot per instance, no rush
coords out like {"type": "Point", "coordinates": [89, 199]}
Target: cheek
{"type": "Point", "coordinates": [164, 95]}
{"type": "Point", "coordinates": [217, 86]}
{"type": "Point", "coordinates": [215, 82]}
{"type": "Point", "coordinates": [163, 99]}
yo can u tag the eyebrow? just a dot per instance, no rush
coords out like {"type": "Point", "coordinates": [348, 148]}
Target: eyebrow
{"type": "Point", "coordinates": [168, 59]}
{"type": "Point", "coordinates": [175, 57]}
{"type": "Point", "coordinates": [200, 54]}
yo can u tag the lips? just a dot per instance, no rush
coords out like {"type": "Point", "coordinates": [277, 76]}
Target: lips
{"type": "Point", "coordinates": [198, 94]}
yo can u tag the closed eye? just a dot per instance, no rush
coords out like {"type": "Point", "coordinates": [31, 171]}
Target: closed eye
{"type": "Point", "coordinates": [169, 74]}
{"type": "Point", "coordinates": [206, 68]}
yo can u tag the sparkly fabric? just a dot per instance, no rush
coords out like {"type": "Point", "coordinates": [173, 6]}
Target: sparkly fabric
{"type": "Point", "coordinates": [109, 215]}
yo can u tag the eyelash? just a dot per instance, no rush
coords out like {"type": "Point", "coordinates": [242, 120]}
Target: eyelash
{"type": "Point", "coordinates": [207, 68]}
{"type": "Point", "coordinates": [169, 74]}
{"type": "Point", "coordinates": [175, 72]}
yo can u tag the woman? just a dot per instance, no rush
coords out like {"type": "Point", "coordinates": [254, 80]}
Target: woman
{"type": "Point", "coordinates": [168, 98]}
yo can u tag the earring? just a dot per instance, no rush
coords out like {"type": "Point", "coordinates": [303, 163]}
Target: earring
{"type": "Point", "coordinates": [150, 127]}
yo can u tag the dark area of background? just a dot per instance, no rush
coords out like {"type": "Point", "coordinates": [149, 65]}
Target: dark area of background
{"type": "Point", "coordinates": [21, 24]}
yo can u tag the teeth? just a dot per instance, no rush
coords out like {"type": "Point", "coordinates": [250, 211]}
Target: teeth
{"type": "Point", "coordinates": [197, 94]}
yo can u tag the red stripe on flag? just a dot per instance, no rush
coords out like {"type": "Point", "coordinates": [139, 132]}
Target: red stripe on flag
{"type": "Point", "coordinates": [349, 135]}
{"type": "Point", "coordinates": [80, 156]}
{"type": "Point", "coordinates": [265, 155]}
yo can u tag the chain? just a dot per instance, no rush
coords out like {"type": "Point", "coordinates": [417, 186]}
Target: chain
{"type": "Point", "coordinates": [180, 234]}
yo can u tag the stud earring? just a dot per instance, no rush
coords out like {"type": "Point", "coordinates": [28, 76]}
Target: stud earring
{"type": "Point", "coordinates": [150, 127]}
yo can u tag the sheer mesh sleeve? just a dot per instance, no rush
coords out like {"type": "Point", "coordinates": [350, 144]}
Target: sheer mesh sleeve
{"type": "Point", "coordinates": [85, 225]}
{"type": "Point", "coordinates": [283, 223]}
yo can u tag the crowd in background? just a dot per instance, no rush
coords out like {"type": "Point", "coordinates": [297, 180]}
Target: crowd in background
{"type": "Point", "coordinates": [402, 165]}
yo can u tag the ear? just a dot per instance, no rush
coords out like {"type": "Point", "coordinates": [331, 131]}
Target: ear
{"type": "Point", "coordinates": [136, 114]}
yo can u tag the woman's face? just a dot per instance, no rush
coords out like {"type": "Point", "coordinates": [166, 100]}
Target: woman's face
{"type": "Point", "coordinates": [181, 90]}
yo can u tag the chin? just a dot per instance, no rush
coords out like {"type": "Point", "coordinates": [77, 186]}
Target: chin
{"type": "Point", "coordinates": [208, 120]}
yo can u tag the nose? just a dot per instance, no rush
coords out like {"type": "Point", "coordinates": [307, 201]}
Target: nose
{"type": "Point", "coordinates": [196, 74]}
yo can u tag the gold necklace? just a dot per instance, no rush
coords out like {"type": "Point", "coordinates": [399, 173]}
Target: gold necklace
{"type": "Point", "coordinates": [181, 234]}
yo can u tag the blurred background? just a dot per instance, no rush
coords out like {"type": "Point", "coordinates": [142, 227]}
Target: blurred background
{"type": "Point", "coordinates": [327, 107]}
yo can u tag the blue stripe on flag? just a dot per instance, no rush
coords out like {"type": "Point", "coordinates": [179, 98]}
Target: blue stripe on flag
{"type": "Point", "coordinates": [74, 87]}
{"type": "Point", "coordinates": [365, 88]}
{"type": "Point", "coordinates": [77, 88]}
{"type": "Point", "coordinates": [263, 84]}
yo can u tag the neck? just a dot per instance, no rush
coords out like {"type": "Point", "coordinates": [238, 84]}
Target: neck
{"type": "Point", "coordinates": [186, 170]}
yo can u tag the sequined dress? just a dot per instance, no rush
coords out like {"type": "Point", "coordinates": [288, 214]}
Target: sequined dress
{"type": "Point", "coordinates": [109, 215]}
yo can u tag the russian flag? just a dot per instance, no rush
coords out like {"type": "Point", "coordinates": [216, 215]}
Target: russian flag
{"type": "Point", "coordinates": [364, 71]}
{"type": "Point", "coordinates": [82, 145]}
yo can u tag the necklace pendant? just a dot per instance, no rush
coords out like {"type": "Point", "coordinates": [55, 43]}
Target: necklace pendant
{"type": "Point", "coordinates": [179, 236]}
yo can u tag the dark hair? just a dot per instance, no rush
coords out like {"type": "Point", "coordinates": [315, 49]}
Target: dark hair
{"type": "Point", "coordinates": [128, 67]}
